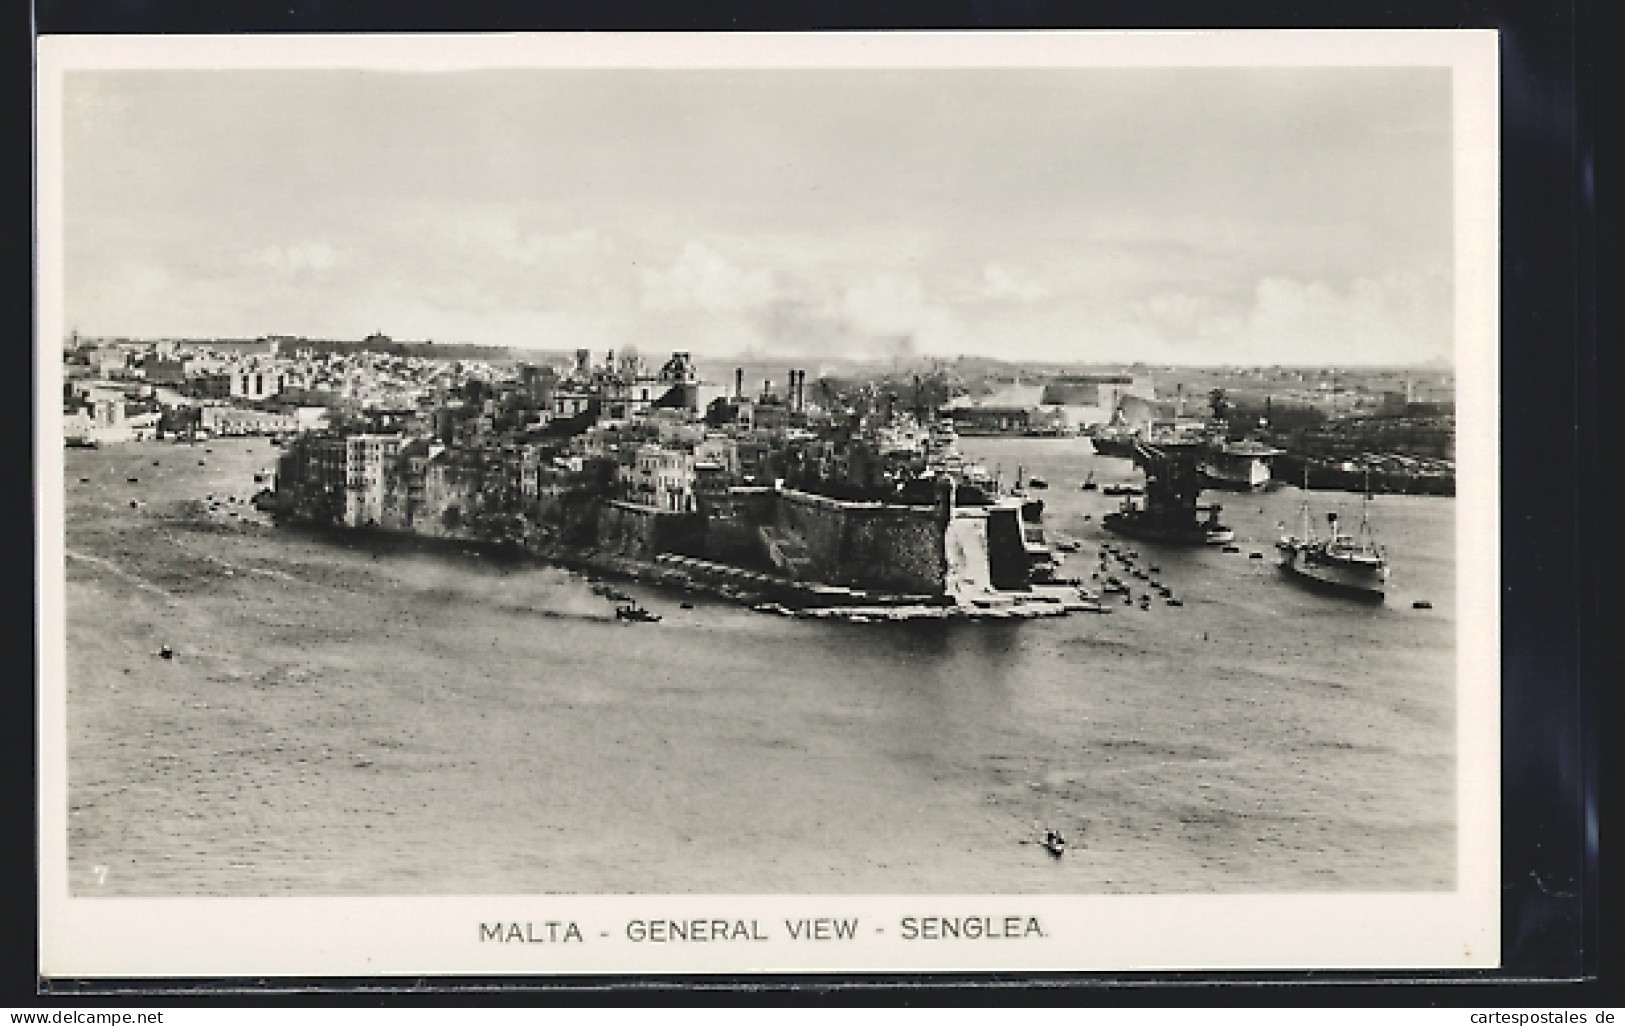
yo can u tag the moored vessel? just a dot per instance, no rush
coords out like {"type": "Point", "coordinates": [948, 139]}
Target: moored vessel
{"type": "Point", "coordinates": [1237, 466]}
{"type": "Point", "coordinates": [1170, 513]}
{"type": "Point", "coordinates": [1176, 526]}
{"type": "Point", "coordinates": [1352, 565]}
{"type": "Point", "coordinates": [1114, 442]}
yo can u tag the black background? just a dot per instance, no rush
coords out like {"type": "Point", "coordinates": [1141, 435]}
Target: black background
{"type": "Point", "coordinates": [1560, 344]}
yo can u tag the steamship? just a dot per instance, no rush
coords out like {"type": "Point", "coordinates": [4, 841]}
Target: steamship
{"type": "Point", "coordinates": [1348, 564]}
{"type": "Point", "coordinates": [1117, 442]}
{"type": "Point", "coordinates": [1237, 466]}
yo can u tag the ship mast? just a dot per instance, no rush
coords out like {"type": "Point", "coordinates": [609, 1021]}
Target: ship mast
{"type": "Point", "coordinates": [1303, 508]}
{"type": "Point", "coordinates": [1365, 538]}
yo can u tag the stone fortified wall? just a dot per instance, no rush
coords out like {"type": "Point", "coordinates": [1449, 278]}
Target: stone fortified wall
{"type": "Point", "coordinates": [642, 532]}
{"type": "Point", "coordinates": [732, 523]}
{"type": "Point", "coordinates": [868, 545]}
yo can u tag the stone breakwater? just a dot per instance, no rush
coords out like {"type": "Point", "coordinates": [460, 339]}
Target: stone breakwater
{"type": "Point", "coordinates": [768, 594]}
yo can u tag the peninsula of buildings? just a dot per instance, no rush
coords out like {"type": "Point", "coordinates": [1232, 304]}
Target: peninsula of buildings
{"type": "Point", "coordinates": [843, 495]}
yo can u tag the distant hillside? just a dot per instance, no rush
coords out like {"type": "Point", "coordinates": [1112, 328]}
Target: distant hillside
{"type": "Point", "coordinates": [376, 344]}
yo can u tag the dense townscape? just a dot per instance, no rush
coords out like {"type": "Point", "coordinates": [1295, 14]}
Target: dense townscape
{"type": "Point", "coordinates": [850, 486]}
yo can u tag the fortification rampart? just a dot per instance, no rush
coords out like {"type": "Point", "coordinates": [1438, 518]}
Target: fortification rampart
{"type": "Point", "coordinates": [733, 523]}
{"type": "Point", "coordinates": [643, 532]}
{"type": "Point", "coordinates": [867, 544]}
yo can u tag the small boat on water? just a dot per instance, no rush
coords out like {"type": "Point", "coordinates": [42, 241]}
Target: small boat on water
{"type": "Point", "coordinates": [1054, 843]}
{"type": "Point", "coordinates": [634, 613]}
{"type": "Point", "coordinates": [1350, 564]}
{"type": "Point", "coordinates": [1037, 482]}
{"type": "Point", "coordinates": [1089, 483]}
{"type": "Point", "coordinates": [1122, 489]}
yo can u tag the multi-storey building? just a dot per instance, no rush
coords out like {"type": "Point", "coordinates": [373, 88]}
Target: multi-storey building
{"type": "Point", "coordinates": [674, 480]}
{"type": "Point", "coordinates": [257, 382]}
{"type": "Point", "coordinates": [368, 460]}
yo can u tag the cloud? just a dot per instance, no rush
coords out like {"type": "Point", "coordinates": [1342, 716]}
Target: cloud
{"type": "Point", "coordinates": [310, 256]}
{"type": "Point", "coordinates": [703, 279]}
{"type": "Point", "coordinates": [892, 310]}
{"type": "Point", "coordinates": [497, 235]}
{"type": "Point", "coordinates": [1182, 315]}
{"type": "Point", "coordinates": [1004, 282]}
{"type": "Point", "coordinates": [888, 305]}
{"type": "Point", "coordinates": [1393, 318]}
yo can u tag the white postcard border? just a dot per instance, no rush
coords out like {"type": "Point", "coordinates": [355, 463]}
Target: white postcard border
{"type": "Point", "coordinates": [90, 937]}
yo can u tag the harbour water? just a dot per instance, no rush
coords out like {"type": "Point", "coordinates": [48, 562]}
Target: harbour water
{"type": "Point", "coordinates": [343, 718]}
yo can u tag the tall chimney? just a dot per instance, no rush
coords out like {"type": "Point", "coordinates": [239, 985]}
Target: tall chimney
{"type": "Point", "coordinates": [739, 382]}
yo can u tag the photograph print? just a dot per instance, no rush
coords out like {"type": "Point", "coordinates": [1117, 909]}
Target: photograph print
{"type": "Point", "coordinates": [591, 478]}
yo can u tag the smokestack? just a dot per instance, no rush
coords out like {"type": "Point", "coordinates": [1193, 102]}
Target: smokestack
{"type": "Point", "coordinates": [739, 382]}
{"type": "Point", "coordinates": [801, 392]}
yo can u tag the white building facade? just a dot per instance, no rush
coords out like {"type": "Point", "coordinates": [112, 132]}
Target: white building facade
{"type": "Point", "coordinates": [366, 462]}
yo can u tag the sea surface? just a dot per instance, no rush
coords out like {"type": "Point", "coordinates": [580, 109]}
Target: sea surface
{"type": "Point", "coordinates": [348, 717]}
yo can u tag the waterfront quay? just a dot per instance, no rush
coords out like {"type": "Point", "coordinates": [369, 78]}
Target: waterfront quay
{"type": "Point", "coordinates": [344, 714]}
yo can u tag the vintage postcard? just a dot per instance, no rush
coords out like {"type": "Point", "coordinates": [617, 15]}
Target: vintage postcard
{"type": "Point", "coordinates": [655, 504]}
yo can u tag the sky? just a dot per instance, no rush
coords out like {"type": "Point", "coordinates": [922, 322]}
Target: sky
{"type": "Point", "coordinates": [1191, 216]}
